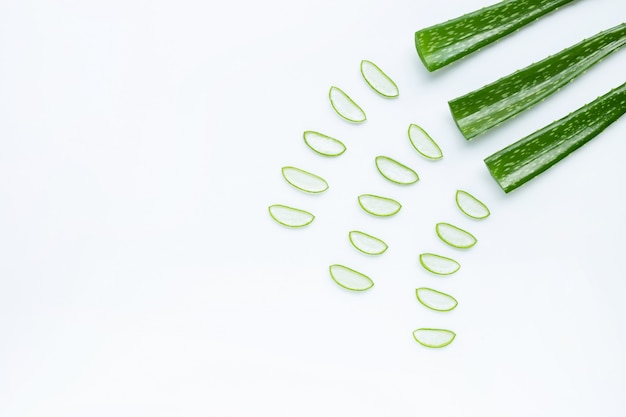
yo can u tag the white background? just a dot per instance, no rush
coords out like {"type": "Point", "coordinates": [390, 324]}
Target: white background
{"type": "Point", "coordinates": [140, 274]}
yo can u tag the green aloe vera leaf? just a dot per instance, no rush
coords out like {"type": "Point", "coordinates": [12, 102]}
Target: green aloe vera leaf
{"type": "Point", "coordinates": [435, 300]}
{"type": "Point", "coordinates": [303, 180]}
{"type": "Point", "coordinates": [379, 206]}
{"type": "Point", "coordinates": [367, 243]}
{"type": "Point", "coordinates": [438, 264]}
{"type": "Point", "coordinates": [289, 216]}
{"type": "Point", "coordinates": [444, 43]}
{"type": "Point", "coordinates": [455, 236]}
{"type": "Point", "coordinates": [350, 279]}
{"type": "Point", "coordinates": [487, 107]}
{"type": "Point", "coordinates": [395, 172]}
{"type": "Point", "coordinates": [434, 338]}
{"type": "Point", "coordinates": [471, 206]}
{"type": "Point", "coordinates": [525, 159]}
{"type": "Point", "coordinates": [345, 106]}
{"type": "Point", "coordinates": [378, 80]}
{"type": "Point", "coordinates": [423, 143]}
{"type": "Point", "coordinates": [323, 144]}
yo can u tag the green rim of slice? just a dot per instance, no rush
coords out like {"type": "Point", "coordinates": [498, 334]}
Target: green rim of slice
{"type": "Point", "coordinates": [350, 279]}
{"type": "Point", "coordinates": [289, 216]}
{"type": "Point", "coordinates": [455, 236]}
{"type": "Point", "coordinates": [471, 206]}
{"type": "Point", "coordinates": [323, 144]}
{"type": "Point", "coordinates": [379, 206]}
{"type": "Point", "coordinates": [304, 180]}
{"type": "Point", "coordinates": [344, 106]}
{"type": "Point", "coordinates": [367, 244]}
{"type": "Point", "coordinates": [438, 264]}
{"type": "Point", "coordinates": [378, 80]}
{"type": "Point", "coordinates": [423, 143]}
{"type": "Point", "coordinates": [395, 172]}
{"type": "Point", "coordinates": [433, 338]}
{"type": "Point", "coordinates": [435, 300]}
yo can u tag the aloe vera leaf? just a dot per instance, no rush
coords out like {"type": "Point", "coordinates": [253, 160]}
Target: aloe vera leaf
{"type": "Point", "coordinates": [345, 106]}
{"type": "Point", "coordinates": [525, 159]}
{"type": "Point", "coordinates": [438, 264]}
{"type": "Point", "coordinates": [434, 338]}
{"type": "Point", "coordinates": [367, 243]}
{"type": "Point", "coordinates": [378, 80]}
{"type": "Point", "coordinates": [395, 172]}
{"type": "Point", "coordinates": [379, 206]}
{"type": "Point", "coordinates": [435, 300]}
{"type": "Point", "coordinates": [289, 216]}
{"type": "Point", "coordinates": [423, 143]}
{"type": "Point", "coordinates": [304, 180]}
{"type": "Point", "coordinates": [455, 236]}
{"type": "Point", "coordinates": [323, 144]}
{"type": "Point", "coordinates": [444, 43]}
{"type": "Point", "coordinates": [487, 107]}
{"type": "Point", "coordinates": [471, 206]}
{"type": "Point", "coordinates": [350, 279]}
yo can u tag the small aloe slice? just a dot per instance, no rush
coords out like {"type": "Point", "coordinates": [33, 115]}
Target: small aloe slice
{"type": "Point", "coordinates": [435, 300]}
{"type": "Point", "coordinates": [367, 243]}
{"type": "Point", "coordinates": [438, 264]}
{"type": "Point", "coordinates": [323, 144]}
{"type": "Point", "coordinates": [444, 43]}
{"type": "Point", "coordinates": [379, 206]}
{"type": "Point", "coordinates": [434, 338]}
{"type": "Point", "coordinates": [303, 180]}
{"type": "Point", "coordinates": [289, 216]}
{"type": "Point", "coordinates": [471, 206]}
{"type": "Point", "coordinates": [455, 236]}
{"type": "Point", "coordinates": [350, 279]}
{"type": "Point", "coordinates": [423, 143]}
{"type": "Point", "coordinates": [378, 80]}
{"type": "Point", "coordinates": [395, 172]}
{"type": "Point", "coordinates": [345, 106]}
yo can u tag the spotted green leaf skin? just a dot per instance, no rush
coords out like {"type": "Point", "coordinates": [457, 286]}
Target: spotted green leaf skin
{"type": "Point", "coordinates": [434, 338]}
{"type": "Point", "coordinates": [444, 43]}
{"type": "Point", "coordinates": [482, 109]}
{"type": "Point", "coordinates": [522, 161]}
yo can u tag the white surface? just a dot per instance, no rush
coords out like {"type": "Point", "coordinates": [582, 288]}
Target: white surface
{"type": "Point", "coordinates": [141, 143]}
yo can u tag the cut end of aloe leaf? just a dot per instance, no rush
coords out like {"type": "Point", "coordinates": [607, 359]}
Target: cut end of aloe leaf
{"type": "Point", "coordinates": [423, 143]}
{"type": "Point", "coordinates": [323, 144]}
{"type": "Point", "coordinates": [455, 236]}
{"type": "Point", "coordinates": [435, 300]}
{"type": "Point", "coordinates": [434, 338]}
{"type": "Point", "coordinates": [471, 206]}
{"type": "Point", "coordinates": [395, 172]}
{"type": "Point", "coordinates": [350, 279]}
{"type": "Point", "coordinates": [304, 181]}
{"type": "Point", "coordinates": [438, 264]}
{"type": "Point", "coordinates": [378, 80]}
{"type": "Point", "coordinates": [367, 243]}
{"type": "Point", "coordinates": [379, 206]}
{"type": "Point", "coordinates": [345, 106]}
{"type": "Point", "coordinates": [289, 216]}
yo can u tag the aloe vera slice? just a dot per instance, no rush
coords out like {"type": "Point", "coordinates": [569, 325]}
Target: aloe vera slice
{"type": "Point", "coordinates": [435, 300]}
{"type": "Point", "coordinates": [438, 264]}
{"type": "Point", "coordinates": [471, 206]}
{"type": "Point", "coordinates": [378, 80]}
{"type": "Point", "coordinates": [303, 180]}
{"type": "Point", "coordinates": [345, 106]}
{"type": "Point", "coordinates": [350, 279]}
{"type": "Point", "coordinates": [434, 338]}
{"type": "Point", "coordinates": [444, 43]}
{"type": "Point", "coordinates": [487, 107]}
{"type": "Point", "coordinates": [379, 206]}
{"type": "Point", "coordinates": [423, 143]}
{"type": "Point", "coordinates": [525, 159]}
{"type": "Point", "coordinates": [395, 172]}
{"type": "Point", "coordinates": [289, 216]}
{"type": "Point", "coordinates": [323, 144]}
{"type": "Point", "coordinates": [367, 243]}
{"type": "Point", "coordinates": [455, 236]}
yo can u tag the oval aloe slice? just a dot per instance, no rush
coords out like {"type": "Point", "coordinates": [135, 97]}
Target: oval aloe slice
{"type": "Point", "coordinates": [395, 172]}
{"type": "Point", "coordinates": [423, 143]}
{"type": "Point", "coordinates": [471, 206]}
{"type": "Point", "coordinates": [303, 180]}
{"type": "Point", "coordinates": [350, 279]}
{"type": "Point", "coordinates": [367, 243]}
{"type": "Point", "coordinates": [379, 206]}
{"type": "Point", "coordinates": [455, 236]}
{"type": "Point", "coordinates": [378, 80]}
{"type": "Point", "coordinates": [289, 216]}
{"type": "Point", "coordinates": [438, 264]}
{"type": "Point", "coordinates": [345, 106]}
{"type": "Point", "coordinates": [434, 338]}
{"type": "Point", "coordinates": [323, 144]}
{"type": "Point", "coordinates": [435, 300]}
